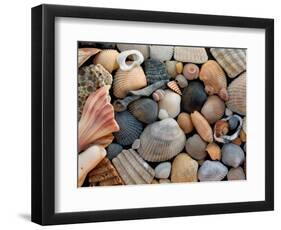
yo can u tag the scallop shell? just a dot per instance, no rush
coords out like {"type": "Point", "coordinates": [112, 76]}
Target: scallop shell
{"type": "Point", "coordinates": [236, 174]}
{"type": "Point", "coordinates": [125, 81]}
{"type": "Point", "coordinates": [181, 81]}
{"type": "Point", "coordinates": [130, 128]}
{"type": "Point", "coordinates": [214, 79]}
{"type": "Point", "coordinates": [185, 123]}
{"type": "Point", "coordinates": [158, 95]}
{"type": "Point", "coordinates": [213, 109]}
{"type": "Point", "coordinates": [108, 59]}
{"type": "Point", "coordinates": [171, 103]}
{"type": "Point", "coordinates": [233, 61]}
{"type": "Point", "coordinates": [212, 171]}
{"type": "Point", "coordinates": [214, 151]}
{"type": "Point", "coordinates": [193, 97]}
{"type": "Point", "coordinates": [144, 49]}
{"type": "Point", "coordinates": [97, 121]}
{"type": "Point", "coordinates": [136, 56]}
{"type": "Point", "coordinates": [161, 141]}
{"type": "Point", "coordinates": [171, 68]}
{"type": "Point", "coordinates": [174, 87]}
{"type": "Point", "coordinates": [232, 155]}
{"type": "Point", "coordinates": [190, 54]}
{"type": "Point", "coordinates": [155, 70]}
{"type": "Point", "coordinates": [144, 109]}
{"type": "Point", "coordinates": [85, 53]}
{"type": "Point", "coordinates": [202, 126]}
{"type": "Point", "coordinates": [161, 53]}
{"type": "Point", "coordinates": [237, 95]}
{"type": "Point", "coordinates": [195, 147]}
{"type": "Point", "coordinates": [113, 150]}
{"type": "Point", "coordinates": [132, 168]}
{"type": "Point", "coordinates": [190, 71]}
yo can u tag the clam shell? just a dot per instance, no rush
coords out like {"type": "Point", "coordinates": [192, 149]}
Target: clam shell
{"type": "Point", "coordinates": [130, 128]}
{"type": "Point", "coordinates": [125, 81]}
{"type": "Point", "coordinates": [237, 95]}
{"type": "Point", "coordinates": [212, 171]}
{"type": "Point", "coordinates": [171, 68]}
{"type": "Point", "coordinates": [214, 79]}
{"type": "Point", "coordinates": [162, 53]}
{"type": "Point", "coordinates": [190, 71]}
{"type": "Point", "coordinates": [213, 109]}
{"type": "Point", "coordinates": [158, 95]}
{"type": "Point", "coordinates": [233, 61]}
{"type": "Point", "coordinates": [144, 109]}
{"type": "Point", "coordinates": [179, 67]}
{"type": "Point", "coordinates": [170, 103]}
{"type": "Point", "coordinates": [132, 168]}
{"type": "Point", "coordinates": [144, 49]}
{"type": "Point", "coordinates": [195, 147]}
{"type": "Point", "coordinates": [214, 151]}
{"type": "Point", "coordinates": [202, 126]}
{"type": "Point", "coordinates": [193, 97]}
{"type": "Point", "coordinates": [108, 59]}
{"type": "Point", "coordinates": [185, 123]}
{"type": "Point", "coordinates": [236, 174]}
{"type": "Point", "coordinates": [113, 150]}
{"type": "Point", "coordinates": [155, 70]}
{"type": "Point", "coordinates": [232, 155]}
{"type": "Point", "coordinates": [181, 81]}
{"type": "Point", "coordinates": [161, 141]}
{"type": "Point", "coordinates": [196, 55]}
{"type": "Point", "coordinates": [174, 87]}
{"type": "Point", "coordinates": [85, 53]}
{"type": "Point", "coordinates": [136, 56]}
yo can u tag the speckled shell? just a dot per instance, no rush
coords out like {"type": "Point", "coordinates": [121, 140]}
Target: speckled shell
{"type": "Point", "coordinates": [85, 53]}
{"type": "Point", "coordinates": [172, 85]}
{"type": "Point", "coordinates": [171, 103]}
{"type": "Point", "coordinates": [195, 147]}
{"type": "Point", "coordinates": [122, 59]}
{"type": "Point", "coordinates": [158, 95]}
{"type": "Point", "coordinates": [214, 79]}
{"type": "Point", "coordinates": [213, 109]}
{"type": "Point", "coordinates": [125, 81]}
{"type": "Point", "coordinates": [233, 61]}
{"type": "Point", "coordinates": [144, 109]}
{"type": "Point", "coordinates": [202, 126]}
{"type": "Point", "coordinates": [130, 128]}
{"type": "Point", "coordinates": [162, 53]}
{"type": "Point", "coordinates": [108, 59]}
{"type": "Point", "coordinates": [212, 171]}
{"type": "Point", "coordinates": [236, 174]}
{"type": "Point", "coordinates": [232, 155]}
{"type": "Point", "coordinates": [190, 54]}
{"type": "Point", "coordinates": [193, 97]}
{"type": "Point", "coordinates": [155, 70]}
{"type": "Point", "coordinates": [237, 95]}
{"type": "Point", "coordinates": [190, 71]}
{"type": "Point", "coordinates": [132, 168]}
{"type": "Point", "coordinates": [181, 81]}
{"type": "Point", "coordinates": [144, 49]}
{"type": "Point", "coordinates": [113, 150]}
{"type": "Point", "coordinates": [185, 123]}
{"type": "Point", "coordinates": [161, 140]}
{"type": "Point", "coordinates": [171, 68]}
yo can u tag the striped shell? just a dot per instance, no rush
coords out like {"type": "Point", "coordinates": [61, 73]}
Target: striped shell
{"type": "Point", "coordinates": [161, 140]}
{"type": "Point", "coordinates": [237, 95]}
{"type": "Point", "coordinates": [202, 126]}
{"type": "Point", "coordinates": [171, 67]}
{"type": "Point", "coordinates": [155, 70]}
{"type": "Point", "coordinates": [170, 103]}
{"type": "Point", "coordinates": [108, 59]}
{"type": "Point", "coordinates": [85, 53]}
{"type": "Point", "coordinates": [132, 168]}
{"type": "Point", "coordinates": [162, 53]}
{"type": "Point", "coordinates": [190, 54]}
{"type": "Point", "coordinates": [122, 58]}
{"type": "Point", "coordinates": [174, 87]}
{"type": "Point", "coordinates": [212, 171]}
{"type": "Point", "coordinates": [190, 71]}
{"type": "Point", "coordinates": [144, 49]}
{"type": "Point", "coordinates": [125, 81]}
{"type": "Point", "coordinates": [213, 109]}
{"type": "Point", "coordinates": [233, 61]}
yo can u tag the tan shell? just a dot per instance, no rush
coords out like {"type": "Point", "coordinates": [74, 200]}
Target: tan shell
{"type": "Point", "coordinates": [125, 81]}
{"type": "Point", "coordinates": [202, 126]}
{"type": "Point", "coordinates": [185, 123]}
{"type": "Point", "coordinates": [237, 95]}
{"type": "Point", "coordinates": [214, 79]}
{"type": "Point", "coordinates": [85, 53]}
{"type": "Point", "coordinates": [132, 168]}
{"type": "Point", "coordinates": [196, 55]}
{"type": "Point", "coordinates": [214, 151]}
{"type": "Point", "coordinates": [108, 59]}
{"type": "Point", "coordinates": [213, 109]}
{"type": "Point", "coordinates": [233, 61]}
{"type": "Point", "coordinates": [174, 86]}
{"type": "Point", "coordinates": [171, 68]}
{"type": "Point", "coordinates": [179, 67]}
{"type": "Point", "coordinates": [144, 49]}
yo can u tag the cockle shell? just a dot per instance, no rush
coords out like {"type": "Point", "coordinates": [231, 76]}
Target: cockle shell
{"type": "Point", "coordinates": [232, 155]}
{"type": "Point", "coordinates": [237, 95]}
{"type": "Point", "coordinates": [193, 97]}
{"type": "Point", "coordinates": [233, 61]}
{"type": "Point", "coordinates": [179, 67]}
{"type": "Point", "coordinates": [130, 128]}
{"type": "Point", "coordinates": [155, 70]}
{"type": "Point", "coordinates": [185, 123]}
{"type": "Point", "coordinates": [88, 160]}
{"type": "Point", "coordinates": [136, 56]}
{"type": "Point", "coordinates": [132, 168]}
{"type": "Point", "coordinates": [213, 109]}
{"type": "Point", "coordinates": [162, 140]}
{"type": "Point", "coordinates": [212, 171]}
{"type": "Point", "coordinates": [144, 49]}
{"type": "Point", "coordinates": [144, 109]}
{"type": "Point", "coordinates": [158, 95]}
{"type": "Point", "coordinates": [202, 126]}
{"type": "Point", "coordinates": [190, 71]}
{"type": "Point", "coordinates": [97, 121]}
{"type": "Point", "coordinates": [108, 59]}
{"type": "Point", "coordinates": [196, 55]}
{"type": "Point", "coordinates": [171, 68]}
{"type": "Point", "coordinates": [236, 174]}
{"type": "Point", "coordinates": [214, 151]}
{"type": "Point", "coordinates": [171, 103]}
{"type": "Point", "coordinates": [181, 81]}
{"type": "Point", "coordinates": [174, 87]}
{"type": "Point", "coordinates": [125, 81]}
{"type": "Point", "coordinates": [113, 150]}
{"type": "Point", "coordinates": [85, 53]}
{"type": "Point", "coordinates": [214, 79]}
{"type": "Point", "coordinates": [196, 147]}
{"type": "Point", "coordinates": [162, 53]}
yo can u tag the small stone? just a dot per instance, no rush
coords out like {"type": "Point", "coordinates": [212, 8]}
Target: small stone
{"type": "Point", "coordinates": [179, 67]}
{"type": "Point", "coordinates": [163, 170]}
{"type": "Point", "coordinates": [214, 151]}
{"type": "Point", "coordinates": [163, 114]}
{"type": "Point", "coordinates": [164, 181]}
{"type": "Point", "coordinates": [212, 171]}
{"type": "Point", "coordinates": [236, 174]}
{"type": "Point", "coordinates": [228, 112]}
{"type": "Point", "coordinates": [136, 144]}
{"type": "Point", "coordinates": [233, 123]}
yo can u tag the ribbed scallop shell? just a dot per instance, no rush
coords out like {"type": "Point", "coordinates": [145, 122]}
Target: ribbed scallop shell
{"type": "Point", "coordinates": [190, 71]}
{"type": "Point", "coordinates": [130, 128]}
{"type": "Point", "coordinates": [233, 61]}
{"type": "Point", "coordinates": [237, 95]}
{"type": "Point", "coordinates": [196, 55]}
{"type": "Point", "coordinates": [108, 59]}
{"type": "Point", "coordinates": [174, 87]}
{"type": "Point", "coordinates": [212, 171]}
{"type": "Point", "coordinates": [202, 126]}
{"type": "Point", "coordinates": [161, 140]}
{"type": "Point", "coordinates": [144, 49]}
{"type": "Point", "coordinates": [155, 70]}
{"type": "Point", "coordinates": [85, 53]}
{"type": "Point", "coordinates": [125, 81]}
{"type": "Point", "coordinates": [162, 53]}
{"type": "Point", "coordinates": [132, 168]}
{"type": "Point", "coordinates": [213, 109]}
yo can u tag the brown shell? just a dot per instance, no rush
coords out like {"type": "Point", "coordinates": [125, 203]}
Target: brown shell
{"type": "Point", "coordinates": [202, 126]}
{"type": "Point", "coordinates": [185, 123]}
{"type": "Point", "coordinates": [108, 59]}
{"type": "Point", "coordinates": [214, 151]}
{"type": "Point", "coordinates": [174, 86]}
{"type": "Point", "coordinates": [213, 109]}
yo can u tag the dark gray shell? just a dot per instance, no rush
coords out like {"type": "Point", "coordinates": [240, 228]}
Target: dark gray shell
{"type": "Point", "coordinates": [130, 128]}
{"type": "Point", "coordinates": [193, 97]}
{"type": "Point", "coordinates": [155, 70]}
{"type": "Point", "coordinates": [212, 171]}
{"type": "Point", "coordinates": [113, 150]}
{"type": "Point", "coordinates": [232, 155]}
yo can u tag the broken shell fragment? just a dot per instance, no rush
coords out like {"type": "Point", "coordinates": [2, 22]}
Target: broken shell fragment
{"type": "Point", "coordinates": [136, 56]}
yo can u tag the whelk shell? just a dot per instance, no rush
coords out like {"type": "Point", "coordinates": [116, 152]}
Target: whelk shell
{"type": "Point", "coordinates": [155, 70]}
{"type": "Point", "coordinates": [213, 109]}
{"type": "Point", "coordinates": [212, 171]}
{"type": "Point", "coordinates": [108, 59]}
{"type": "Point", "coordinates": [136, 56]}
{"type": "Point", "coordinates": [162, 53]}
{"type": "Point", "coordinates": [190, 71]}
{"type": "Point", "coordinates": [170, 103]}
{"type": "Point", "coordinates": [196, 55]}
{"type": "Point", "coordinates": [174, 87]}
{"type": "Point", "coordinates": [144, 49]}
{"type": "Point", "coordinates": [185, 123]}
{"type": "Point", "coordinates": [202, 126]}
{"type": "Point", "coordinates": [85, 53]}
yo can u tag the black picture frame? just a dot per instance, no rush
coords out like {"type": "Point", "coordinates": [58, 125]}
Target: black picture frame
{"type": "Point", "coordinates": [43, 113]}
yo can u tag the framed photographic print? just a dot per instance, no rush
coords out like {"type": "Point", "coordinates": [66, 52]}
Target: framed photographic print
{"type": "Point", "coordinates": [143, 114]}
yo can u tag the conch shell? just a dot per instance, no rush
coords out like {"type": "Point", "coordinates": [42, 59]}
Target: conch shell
{"type": "Point", "coordinates": [202, 126]}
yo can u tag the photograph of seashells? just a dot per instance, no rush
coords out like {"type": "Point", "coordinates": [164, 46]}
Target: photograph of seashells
{"type": "Point", "coordinates": [158, 114]}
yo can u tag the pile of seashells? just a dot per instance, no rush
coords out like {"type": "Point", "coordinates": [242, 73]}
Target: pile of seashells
{"type": "Point", "coordinates": [151, 114]}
